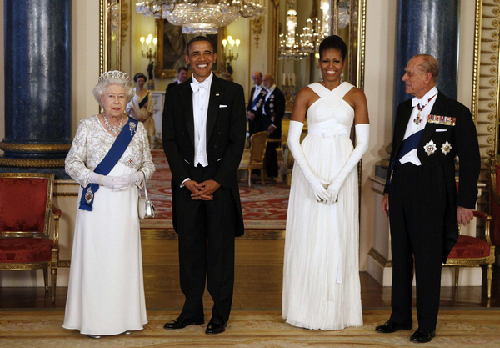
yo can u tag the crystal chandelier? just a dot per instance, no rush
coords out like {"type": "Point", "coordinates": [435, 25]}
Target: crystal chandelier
{"type": "Point", "coordinates": [201, 16]}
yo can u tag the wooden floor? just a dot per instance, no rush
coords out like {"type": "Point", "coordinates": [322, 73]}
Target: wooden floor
{"type": "Point", "coordinates": [258, 273]}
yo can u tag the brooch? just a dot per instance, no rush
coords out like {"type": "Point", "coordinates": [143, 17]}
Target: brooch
{"type": "Point", "coordinates": [445, 148]}
{"type": "Point", "coordinates": [430, 148]}
{"type": "Point", "coordinates": [89, 196]}
{"type": "Point", "coordinates": [132, 127]}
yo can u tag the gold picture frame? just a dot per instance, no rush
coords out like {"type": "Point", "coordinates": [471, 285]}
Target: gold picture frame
{"type": "Point", "coordinates": [171, 49]}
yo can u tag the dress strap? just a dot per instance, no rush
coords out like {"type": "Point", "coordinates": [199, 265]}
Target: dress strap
{"type": "Point", "coordinates": [338, 92]}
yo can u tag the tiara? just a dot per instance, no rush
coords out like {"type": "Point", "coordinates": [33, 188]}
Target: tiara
{"type": "Point", "coordinates": [114, 74]}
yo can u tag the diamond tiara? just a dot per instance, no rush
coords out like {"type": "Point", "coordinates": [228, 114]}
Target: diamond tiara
{"type": "Point", "coordinates": [114, 74]}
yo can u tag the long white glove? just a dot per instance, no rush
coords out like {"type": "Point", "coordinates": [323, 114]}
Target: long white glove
{"type": "Point", "coordinates": [293, 142]}
{"type": "Point", "coordinates": [362, 138]}
{"type": "Point", "coordinates": [111, 182]}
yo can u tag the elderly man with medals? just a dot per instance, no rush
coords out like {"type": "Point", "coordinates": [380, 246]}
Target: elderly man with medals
{"type": "Point", "coordinates": [109, 158]}
{"type": "Point", "coordinates": [273, 110]}
{"type": "Point", "coordinates": [421, 192]}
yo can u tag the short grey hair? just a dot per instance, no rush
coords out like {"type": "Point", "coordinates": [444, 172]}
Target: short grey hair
{"type": "Point", "coordinates": [428, 64]}
{"type": "Point", "coordinates": [114, 77]}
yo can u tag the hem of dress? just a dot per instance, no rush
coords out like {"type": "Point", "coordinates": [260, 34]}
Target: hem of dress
{"type": "Point", "coordinates": [105, 334]}
{"type": "Point", "coordinates": [309, 327]}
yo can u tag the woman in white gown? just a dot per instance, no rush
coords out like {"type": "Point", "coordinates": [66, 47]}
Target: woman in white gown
{"type": "Point", "coordinates": [109, 158]}
{"type": "Point", "coordinates": [321, 287]}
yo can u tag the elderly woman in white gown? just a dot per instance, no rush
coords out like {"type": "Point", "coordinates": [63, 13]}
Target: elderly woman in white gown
{"type": "Point", "coordinates": [110, 158]}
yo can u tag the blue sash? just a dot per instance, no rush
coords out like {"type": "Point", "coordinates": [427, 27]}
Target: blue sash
{"type": "Point", "coordinates": [408, 144]}
{"type": "Point", "coordinates": [143, 101]}
{"type": "Point", "coordinates": [109, 161]}
{"type": "Point", "coordinates": [254, 103]}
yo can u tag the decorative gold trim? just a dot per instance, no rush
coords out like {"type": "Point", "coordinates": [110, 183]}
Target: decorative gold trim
{"type": "Point", "coordinates": [34, 147]}
{"type": "Point", "coordinates": [32, 163]}
{"type": "Point", "coordinates": [275, 39]}
{"type": "Point", "coordinates": [65, 194]}
{"type": "Point", "coordinates": [381, 260]}
{"type": "Point", "coordinates": [63, 263]}
{"type": "Point", "coordinates": [361, 44]}
{"type": "Point", "coordinates": [102, 35]}
{"type": "Point", "coordinates": [24, 266]}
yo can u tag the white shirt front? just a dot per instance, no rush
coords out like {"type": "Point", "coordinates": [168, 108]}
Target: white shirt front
{"type": "Point", "coordinates": [413, 127]}
{"type": "Point", "coordinates": [256, 92]}
{"type": "Point", "coordinates": [200, 108]}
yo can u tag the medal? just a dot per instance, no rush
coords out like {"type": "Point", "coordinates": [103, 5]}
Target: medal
{"type": "Point", "coordinates": [445, 148]}
{"type": "Point", "coordinates": [89, 196]}
{"type": "Point", "coordinates": [430, 148]}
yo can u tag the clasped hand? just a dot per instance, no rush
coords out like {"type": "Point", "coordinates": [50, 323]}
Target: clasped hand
{"type": "Point", "coordinates": [327, 193]}
{"type": "Point", "coordinates": [120, 182]}
{"type": "Point", "coordinates": [202, 191]}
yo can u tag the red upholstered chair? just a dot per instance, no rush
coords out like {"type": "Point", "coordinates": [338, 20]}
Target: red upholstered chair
{"type": "Point", "coordinates": [495, 202]}
{"type": "Point", "coordinates": [473, 251]}
{"type": "Point", "coordinates": [26, 213]}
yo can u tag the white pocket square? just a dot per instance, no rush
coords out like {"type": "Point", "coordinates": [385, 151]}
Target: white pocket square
{"type": "Point", "coordinates": [441, 130]}
{"type": "Point", "coordinates": [222, 106]}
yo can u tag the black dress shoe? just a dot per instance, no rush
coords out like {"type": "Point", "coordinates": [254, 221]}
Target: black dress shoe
{"type": "Point", "coordinates": [390, 327]}
{"type": "Point", "coordinates": [181, 323]}
{"type": "Point", "coordinates": [422, 336]}
{"type": "Point", "coordinates": [215, 327]}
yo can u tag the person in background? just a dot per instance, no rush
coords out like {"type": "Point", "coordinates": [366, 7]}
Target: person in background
{"type": "Point", "coordinates": [141, 106]}
{"type": "Point", "coordinates": [182, 75]}
{"type": "Point", "coordinates": [273, 110]}
{"type": "Point", "coordinates": [109, 158]}
{"type": "Point", "coordinates": [254, 105]}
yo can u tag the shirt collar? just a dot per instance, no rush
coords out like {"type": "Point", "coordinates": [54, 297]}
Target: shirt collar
{"type": "Point", "coordinates": [425, 99]}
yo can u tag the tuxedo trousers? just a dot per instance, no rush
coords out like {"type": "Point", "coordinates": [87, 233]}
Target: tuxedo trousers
{"type": "Point", "coordinates": [417, 203]}
{"type": "Point", "coordinates": [206, 231]}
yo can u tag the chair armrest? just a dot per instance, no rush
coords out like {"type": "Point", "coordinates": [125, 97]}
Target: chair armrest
{"type": "Point", "coordinates": [487, 220]}
{"type": "Point", "coordinates": [56, 213]}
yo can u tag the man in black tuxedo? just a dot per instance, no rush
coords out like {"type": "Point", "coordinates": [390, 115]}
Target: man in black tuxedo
{"type": "Point", "coordinates": [273, 110]}
{"type": "Point", "coordinates": [182, 74]}
{"type": "Point", "coordinates": [425, 209]}
{"type": "Point", "coordinates": [254, 105]}
{"type": "Point", "coordinates": [203, 137]}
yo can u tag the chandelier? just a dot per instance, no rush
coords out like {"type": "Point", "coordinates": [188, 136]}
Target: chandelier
{"type": "Point", "coordinates": [201, 16]}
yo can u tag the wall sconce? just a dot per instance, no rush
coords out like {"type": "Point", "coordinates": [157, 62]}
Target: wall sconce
{"type": "Point", "coordinates": [149, 54]}
{"type": "Point", "coordinates": [228, 52]}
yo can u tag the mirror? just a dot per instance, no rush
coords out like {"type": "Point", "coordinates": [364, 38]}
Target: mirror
{"type": "Point", "coordinates": [302, 25]}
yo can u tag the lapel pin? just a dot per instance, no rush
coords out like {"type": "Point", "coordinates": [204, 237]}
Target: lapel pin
{"type": "Point", "coordinates": [216, 94]}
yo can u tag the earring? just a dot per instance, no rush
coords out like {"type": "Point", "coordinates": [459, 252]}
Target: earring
{"type": "Point", "coordinates": [341, 77]}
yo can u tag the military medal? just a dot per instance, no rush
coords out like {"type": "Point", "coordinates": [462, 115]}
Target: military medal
{"type": "Point", "coordinates": [420, 107]}
{"type": "Point", "coordinates": [430, 148]}
{"type": "Point", "coordinates": [445, 148]}
{"type": "Point", "coordinates": [89, 196]}
{"type": "Point", "coordinates": [132, 127]}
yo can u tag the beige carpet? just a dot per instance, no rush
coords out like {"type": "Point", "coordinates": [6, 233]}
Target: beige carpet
{"type": "Point", "coordinates": [456, 328]}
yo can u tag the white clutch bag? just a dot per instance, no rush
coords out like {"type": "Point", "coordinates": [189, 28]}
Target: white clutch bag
{"type": "Point", "coordinates": [145, 208]}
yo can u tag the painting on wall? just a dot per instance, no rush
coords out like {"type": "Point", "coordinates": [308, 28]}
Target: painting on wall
{"type": "Point", "coordinates": [171, 49]}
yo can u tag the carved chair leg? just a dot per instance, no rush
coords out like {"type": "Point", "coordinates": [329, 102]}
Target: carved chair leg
{"type": "Point", "coordinates": [45, 280]}
{"type": "Point", "coordinates": [249, 176]}
{"type": "Point", "coordinates": [262, 176]}
{"type": "Point", "coordinates": [54, 283]}
{"type": "Point", "coordinates": [489, 277]}
{"type": "Point", "coordinates": [456, 276]}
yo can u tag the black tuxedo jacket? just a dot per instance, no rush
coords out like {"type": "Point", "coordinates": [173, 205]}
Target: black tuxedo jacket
{"type": "Point", "coordinates": [171, 85]}
{"type": "Point", "coordinates": [226, 123]}
{"type": "Point", "coordinates": [274, 109]}
{"type": "Point", "coordinates": [462, 137]}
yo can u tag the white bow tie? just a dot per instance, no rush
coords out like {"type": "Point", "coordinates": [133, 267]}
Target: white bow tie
{"type": "Point", "coordinates": [416, 101]}
{"type": "Point", "coordinates": [195, 85]}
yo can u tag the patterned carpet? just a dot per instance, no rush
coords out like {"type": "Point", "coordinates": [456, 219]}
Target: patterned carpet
{"type": "Point", "coordinates": [456, 328]}
{"type": "Point", "coordinates": [264, 206]}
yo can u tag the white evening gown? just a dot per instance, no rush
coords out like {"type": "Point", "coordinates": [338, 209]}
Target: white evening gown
{"type": "Point", "coordinates": [321, 287]}
{"type": "Point", "coordinates": [105, 290]}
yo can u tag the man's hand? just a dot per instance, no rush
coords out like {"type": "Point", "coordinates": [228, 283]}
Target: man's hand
{"type": "Point", "coordinates": [206, 190]}
{"type": "Point", "coordinates": [191, 185]}
{"type": "Point", "coordinates": [250, 115]}
{"type": "Point", "coordinates": [464, 215]}
{"type": "Point", "coordinates": [385, 204]}
{"type": "Point", "coordinates": [270, 129]}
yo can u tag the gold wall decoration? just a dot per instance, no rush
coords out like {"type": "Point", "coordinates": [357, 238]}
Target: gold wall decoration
{"type": "Point", "coordinates": [257, 29]}
{"type": "Point", "coordinates": [33, 163]}
{"type": "Point", "coordinates": [35, 147]}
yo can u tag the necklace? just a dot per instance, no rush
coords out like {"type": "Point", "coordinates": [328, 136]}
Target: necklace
{"type": "Point", "coordinates": [115, 129]}
{"type": "Point", "coordinates": [420, 107]}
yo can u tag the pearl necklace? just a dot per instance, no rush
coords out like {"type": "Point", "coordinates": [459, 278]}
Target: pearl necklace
{"type": "Point", "coordinates": [115, 129]}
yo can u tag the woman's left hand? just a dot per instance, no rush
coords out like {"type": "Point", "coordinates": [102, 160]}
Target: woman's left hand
{"type": "Point", "coordinates": [130, 179]}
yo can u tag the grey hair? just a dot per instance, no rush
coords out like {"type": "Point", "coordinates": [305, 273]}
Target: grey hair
{"type": "Point", "coordinates": [105, 81]}
{"type": "Point", "coordinates": [428, 64]}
